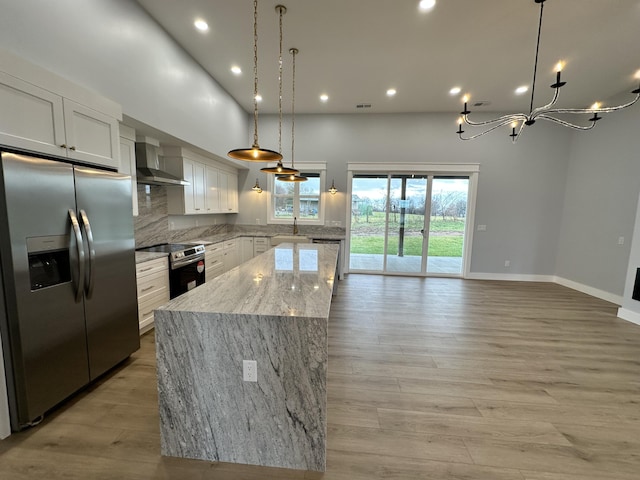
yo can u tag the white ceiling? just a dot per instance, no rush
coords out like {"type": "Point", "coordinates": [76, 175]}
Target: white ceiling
{"type": "Point", "coordinates": [354, 50]}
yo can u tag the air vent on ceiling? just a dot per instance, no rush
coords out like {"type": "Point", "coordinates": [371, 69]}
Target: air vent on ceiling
{"type": "Point", "coordinates": [363, 105]}
{"type": "Point", "coordinates": [482, 103]}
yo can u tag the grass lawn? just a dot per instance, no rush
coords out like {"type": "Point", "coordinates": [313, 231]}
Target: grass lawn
{"type": "Point", "coordinates": [368, 237]}
{"type": "Point", "coordinates": [446, 246]}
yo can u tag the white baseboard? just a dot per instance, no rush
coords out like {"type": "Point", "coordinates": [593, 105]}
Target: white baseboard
{"type": "Point", "coordinates": [594, 292]}
{"type": "Point", "coordinates": [510, 277]}
{"type": "Point", "coordinates": [629, 315]}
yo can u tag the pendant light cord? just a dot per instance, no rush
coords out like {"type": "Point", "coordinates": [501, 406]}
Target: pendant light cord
{"type": "Point", "coordinates": [281, 11]}
{"type": "Point", "coordinates": [535, 64]}
{"type": "Point", "coordinates": [255, 73]}
{"type": "Point", "coordinates": [293, 51]}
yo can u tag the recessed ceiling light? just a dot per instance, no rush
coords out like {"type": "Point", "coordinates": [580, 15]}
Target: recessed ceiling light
{"type": "Point", "coordinates": [258, 98]}
{"type": "Point", "coordinates": [522, 89]}
{"type": "Point", "coordinates": [201, 25]}
{"type": "Point", "coordinates": [426, 5]}
{"type": "Point", "coordinates": [391, 92]}
{"type": "Point", "coordinates": [324, 97]}
{"type": "Point", "coordinates": [236, 70]}
{"type": "Point", "coordinates": [455, 91]}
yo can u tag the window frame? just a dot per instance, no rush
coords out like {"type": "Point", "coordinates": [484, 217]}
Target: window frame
{"type": "Point", "coordinates": [316, 168]}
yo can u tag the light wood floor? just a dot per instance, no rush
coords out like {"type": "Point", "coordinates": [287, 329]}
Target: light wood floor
{"type": "Point", "coordinates": [428, 379]}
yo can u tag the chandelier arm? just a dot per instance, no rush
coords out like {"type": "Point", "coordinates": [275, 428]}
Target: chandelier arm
{"type": "Point", "coordinates": [506, 122]}
{"type": "Point", "coordinates": [564, 123]}
{"type": "Point", "coordinates": [512, 117]}
{"type": "Point", "coordinates": [515, 139]}
{"type": "Point", "coordinates": [546, 107]}
{"type": "Point", "coordinates": [577, 111]}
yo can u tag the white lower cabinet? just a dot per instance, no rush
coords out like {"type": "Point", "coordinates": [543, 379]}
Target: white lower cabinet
{"type": "Point", "coordinates": [246, 249]}
{"type": "Point", "coordinates": [231, 254]}
{"type": "Point", "coordinates": [260, 245]}
{"type": "Point", "coordinates": [213, 261]}
{"type": "Point", "coordinates": [152, 279]}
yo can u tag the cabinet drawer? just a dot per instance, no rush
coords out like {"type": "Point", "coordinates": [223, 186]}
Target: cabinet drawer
{"type": "Point", "coordinates": [216, 247]}
{"type": "Point", "coordinates": [151, 267]}
{"type": "Point", "coordinates": [230, 244]}
{"type": "Point", "coordinates": [262, 241]}
{"type": "Point", "coordinates": [151, 285]}
{"type": "Point", "coordinates": [146, 308]}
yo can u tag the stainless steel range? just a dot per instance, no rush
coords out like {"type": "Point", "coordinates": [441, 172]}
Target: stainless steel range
{"type": "Point", "coordinates": [186, 266]}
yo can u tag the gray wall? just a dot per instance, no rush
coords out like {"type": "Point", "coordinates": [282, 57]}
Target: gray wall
{"type": "Point", "coordinates": [601, 199]}
{"type": "Point", "coordinates": [554, 204]}
{"type": "Point", "coordinates": [114, 48]}
{"type": "Point", "coordinates": [520, 188]}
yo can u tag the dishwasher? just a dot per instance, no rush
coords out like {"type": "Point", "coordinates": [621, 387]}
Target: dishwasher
{"type": "Point", "coordinates": [338, 273]}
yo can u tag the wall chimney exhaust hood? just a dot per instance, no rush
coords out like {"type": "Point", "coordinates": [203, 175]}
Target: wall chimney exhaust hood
{"type": "Point", "coordinates": [148, 167]}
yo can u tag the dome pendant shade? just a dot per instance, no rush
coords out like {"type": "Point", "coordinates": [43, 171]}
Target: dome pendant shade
{"type": "Point", "coordinates": [291, 178]}
{"type": "Point", "coordinates": [255, 154]}
{"type": "Point", "coordinates": [280, 169]}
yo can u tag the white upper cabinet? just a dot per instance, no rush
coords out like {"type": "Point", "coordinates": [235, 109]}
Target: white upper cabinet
{"type": "Point", "coordinates": [32, 118]}
{"type": "Point", "coordinates": [91, 136]}
{"type": "Point", "coordinates": [212, 195]}
{"type": "Point", "coordinates": [47, 114]}
{"type": "Point", "coordinates": [212, 189]}
{"type": "Point", "coordinates": [128, 162]}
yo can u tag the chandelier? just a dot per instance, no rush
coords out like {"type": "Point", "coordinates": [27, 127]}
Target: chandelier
{"type": "Point", "coordinates": [255, 153]}
{"type": "Point", "coordinates": [518, 121]}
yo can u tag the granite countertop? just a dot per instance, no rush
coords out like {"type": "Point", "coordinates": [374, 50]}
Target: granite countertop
{"type": "Point", "coordinates": [290, 280]}
{"type": "Point", "coordinates": [142, 257]}
{"type": "Point", "coordinates": [230, 236]}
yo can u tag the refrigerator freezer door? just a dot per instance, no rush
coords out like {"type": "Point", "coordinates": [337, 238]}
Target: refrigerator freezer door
{"type": "Point", "coordinates": [44, 325]}
{"type": "Point", "coordinates": [104, 209]}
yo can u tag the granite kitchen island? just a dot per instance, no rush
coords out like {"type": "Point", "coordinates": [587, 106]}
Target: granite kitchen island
{"type": "Point", "coordinates": [273, 309]}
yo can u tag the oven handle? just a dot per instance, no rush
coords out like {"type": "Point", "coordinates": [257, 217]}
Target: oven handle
{"type": "Point", "coordinates": [181, 263]}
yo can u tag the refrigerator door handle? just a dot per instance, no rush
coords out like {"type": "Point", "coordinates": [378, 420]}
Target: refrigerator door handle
{"type": "Point", "coordinates": [80, 248]}
{"type": "Point", "coordinates": [92, 254]}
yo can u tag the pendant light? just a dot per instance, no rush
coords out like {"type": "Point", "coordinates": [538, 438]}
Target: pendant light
{"type": "Point", "coordinates": [293, 177]}
{"type": "Point", "coordinates": [280, 169]}
{"type": "Point", "coordinates": [332, 189]}
{"type": "Point", "coordinates": [255, 153]}
{"type": "Point", "coordinates": [257, 188]}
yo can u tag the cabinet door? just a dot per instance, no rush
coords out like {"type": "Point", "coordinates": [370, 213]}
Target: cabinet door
{"type": "Point", "coordinates": [128, 167]}
{"type": "Point", "coordinates": [199, 189]}
{"type": "Point", "coordinates": [212, 192]}
{"type": "Point", "coordinates": [232, 193]}
{"type": "Point", "coordinates": [228, 184]}
{"type": "Point", "coordinates": [189, 190]}
{"type": "Point", "coordinates": [92, 137]}
{"type": "Point", "coordinates": [223, 186]}
{"type": "Point", "coordinates": [32, 118]}
{"type": "Point", "coordinates": [246, 249]}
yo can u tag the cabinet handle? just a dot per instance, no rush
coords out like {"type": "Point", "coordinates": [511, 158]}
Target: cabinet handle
{"type": "Point", "coordinates": [146, 269]}
{"type": "Point", "coordinates": [148, 288]}
{"type": "Point", "coordinates": [64, 145]}
{"type": "Point", "coordinates": [197, 209]}
{"type": "Point", "coordinates": [72, 148]}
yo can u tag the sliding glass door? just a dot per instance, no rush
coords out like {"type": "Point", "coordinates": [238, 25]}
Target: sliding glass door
{"type": "Point", "coordinates": [391, 232]}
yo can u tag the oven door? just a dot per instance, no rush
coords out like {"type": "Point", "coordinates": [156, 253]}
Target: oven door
{"type": "Point", "coordinates": [186, 275]}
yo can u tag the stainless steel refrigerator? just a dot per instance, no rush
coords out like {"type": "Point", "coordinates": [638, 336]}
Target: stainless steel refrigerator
{"type": "Point", "coordinates": [68, 308]}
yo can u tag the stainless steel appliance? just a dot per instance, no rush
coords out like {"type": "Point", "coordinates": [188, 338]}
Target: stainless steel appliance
{"type": "Point", "coordinates": [68, 312]}
{"type": "Point", "coordinates": [186, 266]}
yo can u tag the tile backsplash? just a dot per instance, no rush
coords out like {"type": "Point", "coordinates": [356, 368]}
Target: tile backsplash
{"type": "Point", "coordinates": [152, 223]}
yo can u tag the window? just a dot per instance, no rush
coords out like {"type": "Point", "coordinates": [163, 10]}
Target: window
{"type": "Point", "coordinates": [302, 200]}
